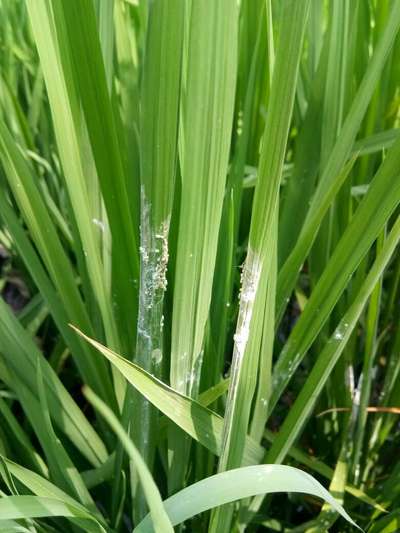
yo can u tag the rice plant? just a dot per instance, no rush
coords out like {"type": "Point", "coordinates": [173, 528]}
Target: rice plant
{"type": "Point", "coordinates": [199, 268]}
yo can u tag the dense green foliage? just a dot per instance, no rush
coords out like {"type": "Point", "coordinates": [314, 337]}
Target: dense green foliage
{"type": "Point", "coordinates": [200, 277]}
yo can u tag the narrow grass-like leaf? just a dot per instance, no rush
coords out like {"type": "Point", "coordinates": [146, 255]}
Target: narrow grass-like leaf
{"type": "Point", "coordinates": [181, 124]}
{"type": "Point", "coordinates": [11, 526]}
{"type": "Point", "coordinates": [331, 353]}
{"type": "Point", "coordinates": [210, 74]}
{"type": "Point", "coordinates": [21, 445]}
{"type": "Point", "coordinates": [365, 381]}
{"type": "Point", "coordinates": [21, 354]}
{"type": "Point", "coordinates": [49, 31]}
{"type": "Point", "coordinates": [62, 466]}
{"type": "Point", "coordinates": [343, 145]}
{"type": "Point", "coordinates": [159, 120]}
{"type": "Point", "coordinates": [274, 144]}
{"type": "Point", "coordinates": [382, 198]}
{"type": "Point", "coordinates": [317, 466]}
{"type": "Point", "coordinates": [243, 482]}
{"type": "Point", "coordinates": [301, 409]}
{"type": "Point", "coordinates": [258, 262]}
{"type": "Point", "coordinates": [207, 116]}
{"type": "Point", "coordinates": [91, 77]}
{"type": "Point", "coordinates": [159, 517]}
{"type": "Point", "coordinates": [198, 421]}
{"type": "Point", "coordinates": [42, 487]}
{"type": "Point", "coordinates": [22, 182]}
{"type": "Point", "coordinates": [17, 507]}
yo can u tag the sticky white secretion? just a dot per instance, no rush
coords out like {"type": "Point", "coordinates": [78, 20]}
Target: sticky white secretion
{"type": "Point", "coordinates": [99, 223]}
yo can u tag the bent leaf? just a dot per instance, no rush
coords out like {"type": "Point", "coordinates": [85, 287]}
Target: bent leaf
{"type": "Point", "coordinates": [239, 483]}
{"type": "Point", "coordinates": [199, 422]}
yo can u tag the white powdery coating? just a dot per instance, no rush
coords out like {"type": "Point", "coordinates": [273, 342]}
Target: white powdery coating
{"type": "Point", "coordinates": [242, 337]}
{"type": "Point", "coordinates": [160, 274]}
{"type": "Point", "coordinates": [99, 223]}
{"type": "Point", "coordinates": [144, 254]}
{"type": "Point", "coordinates": [250, 277]}
{"type": "Point", "coordinates": [249, 283]}
{"type": "Point", "coordinates": [153, 282]}
{"type": "Point", "coordinates": [156, 356]}
{"type": "Point", "coordinates": [145, 232]}
{"type": "Point", "coordinates": [153, 250]}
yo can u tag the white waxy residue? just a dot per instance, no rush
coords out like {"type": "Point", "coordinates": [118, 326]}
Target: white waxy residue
{"type": "Point", "coordinates": [153, 282]}
{"type": "Point", "coordinates": [249, 284]}
{"type": "Point", "coordinates": [99, 223]}
{"type": "Point", "coordinates": [156, 356]}
{"type": "Point", "coordinates": [160, 274]}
